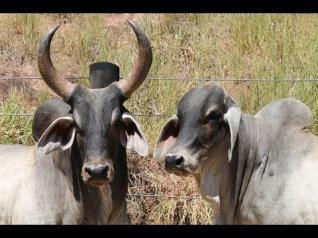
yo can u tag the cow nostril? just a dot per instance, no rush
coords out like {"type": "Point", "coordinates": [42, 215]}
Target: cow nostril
{"type": "Point", "coordinates": [105, 171]}
{"type": "Point", "coordinates": [89, 171]}
{"type": "Point", "coordinates": [174, 160]}
{"type": "Point", "coordinates": [179, 161]}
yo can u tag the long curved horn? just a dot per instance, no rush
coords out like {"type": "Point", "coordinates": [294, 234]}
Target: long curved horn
{"type": "Point", "coordinates": [142, 65]}
{"type": "Point", "coordinates": [56, 82]}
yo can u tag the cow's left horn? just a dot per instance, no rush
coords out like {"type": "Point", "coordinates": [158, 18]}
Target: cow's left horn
{"type": "Point", "coordinates": [55, 81]}
{"type": "Point", "coordinates": [142, 65]}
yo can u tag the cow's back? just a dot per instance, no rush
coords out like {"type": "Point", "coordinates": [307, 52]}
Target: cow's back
{"type": "Point", "coordinates": [283, 188]}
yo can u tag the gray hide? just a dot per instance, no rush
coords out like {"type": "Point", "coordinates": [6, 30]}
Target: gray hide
{"type": "Point", "coordinates": [52, 177]}
{"type": "Point", "coordinates": [77, 174]}
{"type": "Point", "coordinates": [263, 168]}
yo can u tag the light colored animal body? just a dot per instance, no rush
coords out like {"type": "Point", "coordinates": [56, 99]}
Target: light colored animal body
{"type": "Point", "coordinates": [39, 192]}
{"type": "Point", "coordinates": [262, 169]}
{"type": "Point", "coordinates": [77, 171]}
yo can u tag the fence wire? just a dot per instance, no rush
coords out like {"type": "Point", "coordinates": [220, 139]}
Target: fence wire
{"type": "Point", "coordinates": [161, 196]}
{"type": "Point", "coordinates": [32, 114]}
{"type": "Point", "coordinates": [151, 195]}
{"type": "Point", "coordinates": [77, 78]}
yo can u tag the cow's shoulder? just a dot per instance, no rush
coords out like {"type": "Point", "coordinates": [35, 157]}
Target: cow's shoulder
{"type": "Point", "coordinates": [288, 112]}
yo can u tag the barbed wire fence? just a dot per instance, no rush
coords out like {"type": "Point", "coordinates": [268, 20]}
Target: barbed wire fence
{"type": "Point", "coordinates": [77, 78]}
{"type": "Point", "coordinates": [151, 195]}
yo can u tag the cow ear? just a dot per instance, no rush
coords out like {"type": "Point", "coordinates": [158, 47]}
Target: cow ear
{"type": "Point", "coordinates": [59, 135]}
{"type": "Point", "coordinates": [233, 118]}
{"type": "Point", "coordinates": [167, 138]}
{"type": "Point", "coordinates": [131, 135]}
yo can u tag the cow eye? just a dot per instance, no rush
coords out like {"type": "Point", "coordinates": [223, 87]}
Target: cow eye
{"type": "Point", "coordinates": [215, 116]}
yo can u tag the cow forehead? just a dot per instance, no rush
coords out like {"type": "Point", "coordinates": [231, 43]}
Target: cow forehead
{"type": "Point", "coordinates": [93, 108]}
{"type": "Point", "coordinates": [198, 100]}
{"type": "Point", "coordinates": [98, 100]}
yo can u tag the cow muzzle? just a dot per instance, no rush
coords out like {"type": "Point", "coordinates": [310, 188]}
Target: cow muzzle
{"type": "Point", "coordinates": [175, 164]}
{"type": "Point", "coordinates": [182, 162]}
{"type": "Point", "coordinates": [97, 174]}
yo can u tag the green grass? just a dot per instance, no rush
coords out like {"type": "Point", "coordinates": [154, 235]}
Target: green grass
{"type": "Point", "coordinates": [14, 129]}
{"type": "Point", "coordinates": [255, 46]}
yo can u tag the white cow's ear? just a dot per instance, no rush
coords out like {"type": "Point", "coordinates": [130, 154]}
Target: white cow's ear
{"type": "Point", "coordinates": [131, 135]}
{"type": "Point", "coordinates": [167, 138]}
{"type": "Point", "coordinates": [59, 135]}
{"type": "Point", "coordinates": [233, 119]}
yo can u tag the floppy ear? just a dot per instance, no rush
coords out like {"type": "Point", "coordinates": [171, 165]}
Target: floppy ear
{"type": "Point", "coordinates": [167, 138]}
{"type": "Point", "coordinates": [131, 135]}
{"type": "Point", "coordinates": [59, 135]}
{"type": "Point", "coordinates": [233, 119]}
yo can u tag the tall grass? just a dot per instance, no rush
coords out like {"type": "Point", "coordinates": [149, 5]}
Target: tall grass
{"type": "Point", "coordinates": [258, 46]}
{"type": "Point", "coordinates": [14, 129]}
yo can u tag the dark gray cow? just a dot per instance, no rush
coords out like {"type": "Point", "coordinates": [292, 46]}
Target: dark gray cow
{"type": "Point", "coordinates": [263, 168]}
{"type": "Point", "coordinates": [77, 174]}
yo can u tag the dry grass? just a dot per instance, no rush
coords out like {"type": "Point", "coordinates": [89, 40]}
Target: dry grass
{"type": "Point", "coordinates": [265, 46]}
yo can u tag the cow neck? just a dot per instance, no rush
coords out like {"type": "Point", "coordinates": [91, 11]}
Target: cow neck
{"type": "Point", "coordinates": [62, 170]}
{"type": "Point", "coordinates": [61, 167]}
{"type": "Point", "coordinates": [92, 199]}
{"type": "Point", "coordinates": [86, 194]}
{"type": "Point", "coordinates": [236, 174]}
{"type": "Point", "coordinates": [76, 163]}
{"type": "Point", "coordinates": [119, 185]}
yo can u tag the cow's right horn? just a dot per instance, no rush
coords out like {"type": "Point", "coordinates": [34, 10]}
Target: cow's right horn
{"type": "Point", "coordinates": [55, 81]}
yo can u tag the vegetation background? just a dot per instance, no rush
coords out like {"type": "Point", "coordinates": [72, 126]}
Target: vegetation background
{"type": "Point", "coordinates": [185, 46]}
